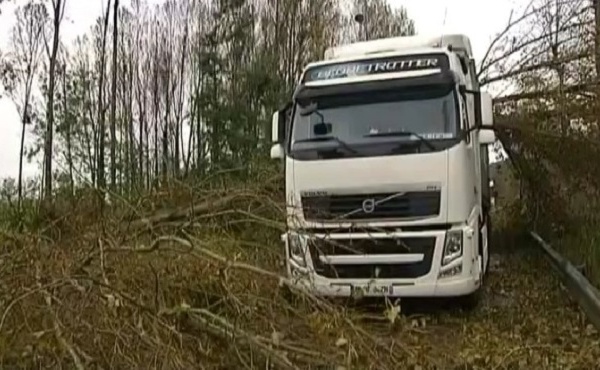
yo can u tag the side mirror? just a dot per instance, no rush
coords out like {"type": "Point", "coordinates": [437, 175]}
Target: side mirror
{"type": "Point", "coordinates": [486, 136]}
{"type": "Point", "coordinates": [278, 124]}
{"type": "Point", "coordinates": [487, 111]}
{"type": "Point", "coordinates": [277, 151]}
{"type": "Point", "coordinates": [321, 129]}
{"type": "Point", "coordinates": [275, 130]}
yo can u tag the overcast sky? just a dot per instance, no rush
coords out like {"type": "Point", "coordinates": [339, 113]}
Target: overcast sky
{"type": "Point", "coordinates": [478, 19]}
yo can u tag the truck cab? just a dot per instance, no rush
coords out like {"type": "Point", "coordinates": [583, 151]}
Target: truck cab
{"type": "Point", "coordinates": [385, 152]}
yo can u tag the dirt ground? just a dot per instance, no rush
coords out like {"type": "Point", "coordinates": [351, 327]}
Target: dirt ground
{"type": "Point", "coordinates": [525, 320]}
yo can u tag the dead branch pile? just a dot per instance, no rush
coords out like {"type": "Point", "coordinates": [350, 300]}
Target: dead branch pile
{"type": "Point", "coordinates": [196, 289]}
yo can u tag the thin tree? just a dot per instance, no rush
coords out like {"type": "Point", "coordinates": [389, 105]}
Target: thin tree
{"type": "Point", "coordinates": [58, 10]}
{"type": "Point", "coordinates": [27, 40]}
{"type": "Point", "coordinates": [113, 105]}
{"type": "Point", "coordinates": [101, 176]}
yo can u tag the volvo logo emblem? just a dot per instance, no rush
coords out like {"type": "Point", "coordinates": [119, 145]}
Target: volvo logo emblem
{"type": "Point", "coordinates": [368, 205]}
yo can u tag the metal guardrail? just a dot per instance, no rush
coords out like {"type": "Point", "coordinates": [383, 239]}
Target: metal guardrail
{"type": "Point", "coordinates": [580, 288]}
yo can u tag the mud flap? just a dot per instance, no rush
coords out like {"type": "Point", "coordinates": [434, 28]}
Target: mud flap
{"type": "Point", "coordinates": [484, 252]}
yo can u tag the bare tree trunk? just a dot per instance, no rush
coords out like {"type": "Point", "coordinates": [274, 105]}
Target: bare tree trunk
{"type": "Point", "coordinates": [58, 9]}
{"type": "Point", "coordinates": [596, 5]}
{"type": "Point", "coordinates": [90, 138]}
{"type": "Point", "coordinates": [166, 122]}
{"type": "Point", "coordinates": [28, 36]}
{"type": "Point", "coordinates": [24, 121]}
{"type": "Point", "coordinates": [131, 161]}
{"type": "Point", "coordinates": [156, 112]}
{"type": "Point", "coordinates": [179, 140]}
{"type": "Point", "coordinates": [101, 113]}
{"type": "Point", "coordinates": [113, 105]}
{"type": "Point", "coordinates": [68, 128]}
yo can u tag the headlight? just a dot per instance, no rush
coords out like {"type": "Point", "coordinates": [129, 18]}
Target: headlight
{"type": "Point", "coordinates": [296, 250]}
{"type": "Point", "coordinates": [453, 247]}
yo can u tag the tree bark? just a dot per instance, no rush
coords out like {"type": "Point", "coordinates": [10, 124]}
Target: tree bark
{"type": "Point", "coordinates": [58, 8]}
{"type": "Point", "coordinates": [113, 105]}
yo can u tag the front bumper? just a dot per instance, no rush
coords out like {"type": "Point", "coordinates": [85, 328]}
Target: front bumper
{"type": "Point", "coordinates": [406, 274]}
{"type": "Point", "coordinates": [389, 288]}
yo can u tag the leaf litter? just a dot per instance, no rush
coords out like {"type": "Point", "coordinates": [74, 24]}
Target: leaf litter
{"type": "Point", "coordinates": [204, 300]}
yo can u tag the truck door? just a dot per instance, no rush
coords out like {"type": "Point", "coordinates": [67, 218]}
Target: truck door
{"type": "Point", "coordinates": [468, 116]}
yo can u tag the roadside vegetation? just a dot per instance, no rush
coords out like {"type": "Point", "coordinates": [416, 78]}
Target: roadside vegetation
{"type": "Point", "coordinates": [150, 239]}
{"type": "Point", "coordinates": [549, 124]}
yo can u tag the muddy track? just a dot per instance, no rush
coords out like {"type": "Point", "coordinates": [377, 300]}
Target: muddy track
{"type": "Point", "coordinates": [525, 320]}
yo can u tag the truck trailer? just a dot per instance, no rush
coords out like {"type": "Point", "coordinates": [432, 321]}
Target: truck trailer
{"type": "Point", "coordinates": [384, 147]}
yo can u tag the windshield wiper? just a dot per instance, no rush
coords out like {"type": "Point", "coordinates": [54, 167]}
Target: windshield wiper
{"type": "Point", "coordinates": [403, 134]}
{"type": "Point", "coordinates": [342, 143]}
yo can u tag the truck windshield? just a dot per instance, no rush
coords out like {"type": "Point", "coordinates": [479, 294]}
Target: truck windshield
{"type": "Point", "coordinates": [377, 123]}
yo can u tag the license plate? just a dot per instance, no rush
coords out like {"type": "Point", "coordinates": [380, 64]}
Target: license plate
{"type": "Point", "coordinates": [372, 289]}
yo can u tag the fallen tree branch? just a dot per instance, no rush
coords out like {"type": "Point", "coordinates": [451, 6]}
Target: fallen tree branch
{"type": "Point", "coordinates": [199, 249]}
{"type": "Point", "coordinates": [541, 94]}
{"type": "Point", "coordinates": [25, 295]}
{"type": "Point", "coordinates": [535, 67]}
{"type": "Point", "coordinates": [205, 209]}
{"type": "Point", "coordinates": [181, 213]}
{"type": "Point", "coordinates": [223, 328]}
{"type": "Point", "coordinates": [59, 334]}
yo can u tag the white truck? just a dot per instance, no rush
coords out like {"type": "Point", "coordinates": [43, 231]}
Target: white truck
{"type": "Point", "coordinates": [385, 151]}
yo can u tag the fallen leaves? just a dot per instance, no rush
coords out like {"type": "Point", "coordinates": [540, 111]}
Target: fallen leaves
{"type": "Point", "coordinates": [341, 342]}
{"type": "Point", "coordinates": [206, 299]}
{"type": "Point", "coordinates": [532, 326]}
{"type": "Point", "coordinates": [392, 310]}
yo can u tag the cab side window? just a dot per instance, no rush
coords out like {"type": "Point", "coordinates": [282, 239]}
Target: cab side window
{"type": "Point", "coordinates": [464, 117]}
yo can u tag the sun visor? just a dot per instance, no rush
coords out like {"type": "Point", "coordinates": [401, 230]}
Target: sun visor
{"type": "Point", "coordinates": [444, 78]}
{"type": "Point", "coordinates": [375, 73]}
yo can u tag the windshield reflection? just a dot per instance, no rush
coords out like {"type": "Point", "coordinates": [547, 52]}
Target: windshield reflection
{"type": "Point", "coordinates": [376, 123]}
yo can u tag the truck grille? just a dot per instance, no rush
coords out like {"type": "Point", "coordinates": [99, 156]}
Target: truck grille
{"type": "Point", "coordinates": [382, 206]}
{"type": "Point", "coordinates": [424, 246]}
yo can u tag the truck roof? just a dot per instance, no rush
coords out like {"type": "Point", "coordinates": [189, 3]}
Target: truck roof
{"type": "Point", "coordinates": [383, 54]}
{"type": "Point", "coordinates": [398, 44]}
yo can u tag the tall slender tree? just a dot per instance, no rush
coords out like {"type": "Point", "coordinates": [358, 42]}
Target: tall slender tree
{"type": "Point", "coordinates": [113, 104]}
{"type": "Point", "coordinates": [27, 46]}
{"type": "Point", "coordinates": [58, 12]}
